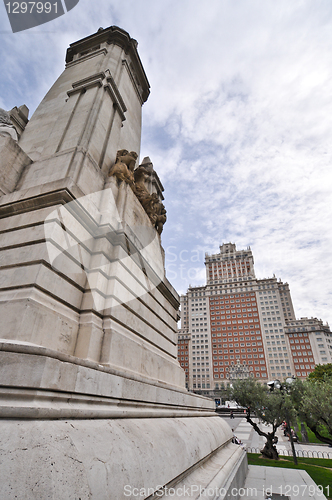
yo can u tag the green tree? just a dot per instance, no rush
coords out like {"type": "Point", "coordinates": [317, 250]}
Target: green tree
{"type": "Point", "coordinates": [269, 407]}
{"type": "Point", "coordinates": [321, 372]}
{"type": "Point", "coordinates": [315, 406]}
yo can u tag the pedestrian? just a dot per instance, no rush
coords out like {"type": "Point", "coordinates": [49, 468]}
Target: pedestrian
{"type": "Point", "coordinates": [294, 436]}
{"type": "Point", "coordinates": [236, 440]}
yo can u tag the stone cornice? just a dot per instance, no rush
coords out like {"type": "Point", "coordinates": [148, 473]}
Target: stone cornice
{"type": "Point", "coordinates": [116, 36]}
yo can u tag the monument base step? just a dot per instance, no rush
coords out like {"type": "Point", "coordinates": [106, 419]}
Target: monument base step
{"type": "Point", "coordinates": [117, 459]}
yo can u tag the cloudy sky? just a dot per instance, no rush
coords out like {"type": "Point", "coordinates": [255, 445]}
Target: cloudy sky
{"type": "Point", "coordinates": [238, 125]}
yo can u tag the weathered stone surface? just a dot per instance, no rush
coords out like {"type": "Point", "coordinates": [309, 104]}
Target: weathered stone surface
{"type": "Point", "coordinates": [12, 162]}
{"type": "Point", "coordinates": [122, 272]}
{"type": "Point", "coordinates": [103, 459]}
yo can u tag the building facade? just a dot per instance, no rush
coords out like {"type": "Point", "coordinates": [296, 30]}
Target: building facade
{"type": "Point", "coordinates": [237, 323]}
{"type": "Point", "coordinates": [310, 342]}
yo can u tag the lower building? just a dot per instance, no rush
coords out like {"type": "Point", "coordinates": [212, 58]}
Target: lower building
{"type": "Point", "coordinates": [311, 344]}
{"type": "Point", "coordinates": [183, 353]}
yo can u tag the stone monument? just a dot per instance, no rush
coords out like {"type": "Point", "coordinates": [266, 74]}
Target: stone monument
{"type": "Point", "coordinates": [6, 125]}
{"type": "Point", "coordinates": [92, 398]}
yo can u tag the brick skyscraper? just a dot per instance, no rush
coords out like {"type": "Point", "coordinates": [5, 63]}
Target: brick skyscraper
{"type": "Point", "coordinates": [237, 321]}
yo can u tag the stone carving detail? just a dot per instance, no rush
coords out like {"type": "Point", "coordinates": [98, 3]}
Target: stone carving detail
{"type": "Point", "coordinates": [124, 166]}
{"type": "Point", "coordinates": [161, 218]}
{"type": "Point", "coordinates": [141, 176]}
{"type": "Point", "coordinates": [150, 202]}
{"type": "Point", "coordinates": [6, 125]}
{"type": "Point", "coordinates": [139, 180]}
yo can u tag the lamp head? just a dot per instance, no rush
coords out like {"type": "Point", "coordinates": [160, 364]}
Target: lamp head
{"type": "Point", "coordinates": [274, 384]}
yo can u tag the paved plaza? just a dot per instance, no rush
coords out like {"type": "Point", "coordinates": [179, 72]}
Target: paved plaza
{"type": "Point", "coordinates": [276, 483]}
{"type": "Point", "coordinates": [273, 482]}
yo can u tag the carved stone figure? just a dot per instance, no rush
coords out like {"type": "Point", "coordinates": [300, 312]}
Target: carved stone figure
{"type": "Point", "coordinates": [124, 166]}
{"type": "Point", "coordinates": [161, 218]}
{"type": "Point", "coordinates": [141, 175]}
{"type": "Point", "coordinates": [150, 202]}
{"type": "Point", "coordinates": [139, 180]}
{"type": "Point", "coordinates": [6, 125]}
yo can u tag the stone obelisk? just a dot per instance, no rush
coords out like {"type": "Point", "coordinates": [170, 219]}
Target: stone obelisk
{"type": "Point", "coordinates": [92, 396]}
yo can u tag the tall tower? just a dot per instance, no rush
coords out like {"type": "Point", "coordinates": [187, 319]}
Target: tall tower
{"type": "Point", "coordinates": [79, 250]}
{"type": "Point", "coordinates": [230, 265]}
{"type": "Point", "coordinates": [91, 111]}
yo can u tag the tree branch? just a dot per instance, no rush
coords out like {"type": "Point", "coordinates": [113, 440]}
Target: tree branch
{"type": "Point", "coordinates": [327, 423]}
{"type": "Point", "coordinates": [255, 426]}
{"type": "Point", "coordinates": [318, 435]}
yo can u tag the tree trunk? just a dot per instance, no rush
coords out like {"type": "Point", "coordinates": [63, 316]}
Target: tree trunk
{"type": "Point", "coordinates": [304, 434]}
{"type": "Point", "coordinates": [269, 450]}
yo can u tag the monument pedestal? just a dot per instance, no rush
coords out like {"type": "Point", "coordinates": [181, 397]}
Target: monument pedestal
{"type": "Point", "coordinates": [92, 398]}
{"type": "Point", "coordinates": [74, 429]}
